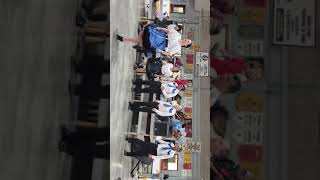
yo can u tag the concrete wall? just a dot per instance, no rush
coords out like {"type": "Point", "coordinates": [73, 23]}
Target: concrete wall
{"type": "Point", "coordinates": [292, 132]}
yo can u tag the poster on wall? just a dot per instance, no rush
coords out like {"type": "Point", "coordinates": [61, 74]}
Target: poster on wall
{"type": "Point", "coordinates": [294, 23]}
{"type": "Point", "coordinates": [188, 65]}
{"type": "Point", "coordinates": [202, 63]}
{"type": "Point", "coordinates": [252, 15]}
{"type": "Point", "coordinates": [250, 103]}
{"type": "Point", "coordinates": [251, 48]}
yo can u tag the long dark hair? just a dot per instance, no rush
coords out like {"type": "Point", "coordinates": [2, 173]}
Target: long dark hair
{"type": "Point", "coordinates": [188, 46]}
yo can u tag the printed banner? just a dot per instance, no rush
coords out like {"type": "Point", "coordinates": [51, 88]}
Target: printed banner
{"type": "Point", "coordinates": [295, 22]}
{"type": "Point", "coordinates": [255, 168]}
{"type": "Point", "coordinates": [252, 15]}
{"type": "Point", "coordinates": [250, 103]}
{"type": "Point", "coordinates": [187, 156]}
{"type": "Point", "coordinates": [202, 63]}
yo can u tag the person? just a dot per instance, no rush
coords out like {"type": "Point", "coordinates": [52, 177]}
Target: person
{"type": "Point", "coordinates": [168, 89]}
{"type": "Point", "coordinates": [160, 151]}
{"type": "Point", "coordinates": [83, 142]}
{"type": "Point", "coordinates": [158, 107]}
{"type": "Point", "coordinates": [174, 41]}
{"type": "Point", "coordinates": [154, 39]}
{"type": "Point", "coordinates": [178, 131]}
{"type": "Point", "coordinates": [168, 69]}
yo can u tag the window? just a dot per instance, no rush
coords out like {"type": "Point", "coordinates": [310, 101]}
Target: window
{"type": "Point", "coordinates": [170, 164]}
{"type": "Point", "coordinates": [181, 9]}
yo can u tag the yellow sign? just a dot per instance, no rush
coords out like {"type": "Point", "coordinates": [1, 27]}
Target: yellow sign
{"type": "Point", "coordinates": [252, 15]}
{"type": "Point", "coordinates": [250, 103]}
{"type": "Point", "coordinates": [188, 93]}
{"type": "Point", "coordinates": [187, 156]}
{"type": "Point", "coordinates": [256, 168]}
{"type": "Point", "coordinates": [189, 66]}
{"type": "Point", "coordinates": [195, 47]}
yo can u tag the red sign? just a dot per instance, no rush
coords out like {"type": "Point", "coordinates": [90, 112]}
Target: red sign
{"type": "Point", "coordinates": [188, 110]}
{"type": "Point", "coordinates": [250, 153]}
{"type": "Point", "coordinates": [187, 166]}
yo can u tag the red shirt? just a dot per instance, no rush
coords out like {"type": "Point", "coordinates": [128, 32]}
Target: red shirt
{"type": "Point", "coordinates": [228, 65]}
{"type": "Point", "coordinates": [181, 82]}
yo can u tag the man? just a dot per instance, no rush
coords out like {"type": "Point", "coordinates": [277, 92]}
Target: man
{"type": "Point", "coordinates": [162, 150]}
{"type": "Point", "coordinates": [168, 89]}
{"type": "Point", "coordinates": [161, 108]}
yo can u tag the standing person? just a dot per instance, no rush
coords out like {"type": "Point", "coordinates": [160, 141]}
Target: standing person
{"type": "Point", "coordinates": [163, 150]}
{"type": "Point", "coordinates": [174, 41]}
{"type": "Point", "coordinates": [154, 39]}
{"type": "Point", "coordinates": [161, 108]}
{"type": "Point", "coordinates": [168, 89]}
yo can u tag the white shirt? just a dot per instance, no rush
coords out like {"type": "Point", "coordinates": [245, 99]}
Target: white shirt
{"type": "Point", "coordinates": [165, 109]}
{"type": "Point", "coordinates": [164, 150]}
{"type": "Point", "coordinates": [169, 89]}
{"type": "Point", "coordinates": [174, 37]}
{"type": "Point", "coordinates": [166, 69]}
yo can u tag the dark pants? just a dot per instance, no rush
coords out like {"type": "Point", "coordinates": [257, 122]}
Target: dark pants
{"type": "Point", "coordinates": [154, 86]}
{"type": "Point", "coordinates": [142, 148]}
{"type": "Point", "coordinates": [83, 142]}
{"type": "Point", "coordinates": [144, 106]}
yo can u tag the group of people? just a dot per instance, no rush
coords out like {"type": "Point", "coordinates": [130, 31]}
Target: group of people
{"type": "Point", "coordinates": [159, 38]}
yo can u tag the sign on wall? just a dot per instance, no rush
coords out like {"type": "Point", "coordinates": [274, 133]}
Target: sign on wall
{"type": "Point", "coordinates": [202, 63]}
{"type": "Point", "coordinates": [252, 15]}
{"type": "Point", "coordinates": [188, 65]}
{"type": "Point", "coordinates": [294, 23]}
{"type": "Point", "coordinates": [251, 48]}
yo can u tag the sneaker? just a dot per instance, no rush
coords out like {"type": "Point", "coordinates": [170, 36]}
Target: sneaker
{"type": "Point", "coordinates": [125, 153]}
{"type": "Point", "coordinates": [120, 38]}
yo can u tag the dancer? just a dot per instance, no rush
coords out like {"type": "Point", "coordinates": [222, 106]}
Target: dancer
{"type": "Point", "coordinates": [161, 108]}
{"type": "Point", "coordinates": [163, 150]}
{"type": "Point", "coordinates": [154, 39]}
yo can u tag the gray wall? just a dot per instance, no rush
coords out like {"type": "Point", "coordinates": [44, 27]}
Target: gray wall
{"type": "Point", "coordinates": [292, 132]}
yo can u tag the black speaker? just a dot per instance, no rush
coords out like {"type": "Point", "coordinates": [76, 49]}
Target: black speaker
{"type": "Point", "coordinates": [161, 129]}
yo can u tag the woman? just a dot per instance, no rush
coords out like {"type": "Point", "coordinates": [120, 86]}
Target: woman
{"type": "Point", "coordinates": [154, 39]}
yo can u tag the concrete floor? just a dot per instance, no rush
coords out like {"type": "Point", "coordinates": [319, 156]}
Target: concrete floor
{"type": "Point", "coordinates": [37, 39]}
{"type": "Point", "coordinates": [124, 20]}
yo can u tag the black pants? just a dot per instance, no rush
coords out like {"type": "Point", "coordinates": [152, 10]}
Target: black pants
{"type": "Point", "coordinates": [144, 106]}
{"type": "Point", "coordinates": [142, 148]}
{"type": "Point", "coordinates": [83, 142]}
{"type": "Point", "coordinates": [154, 86]}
